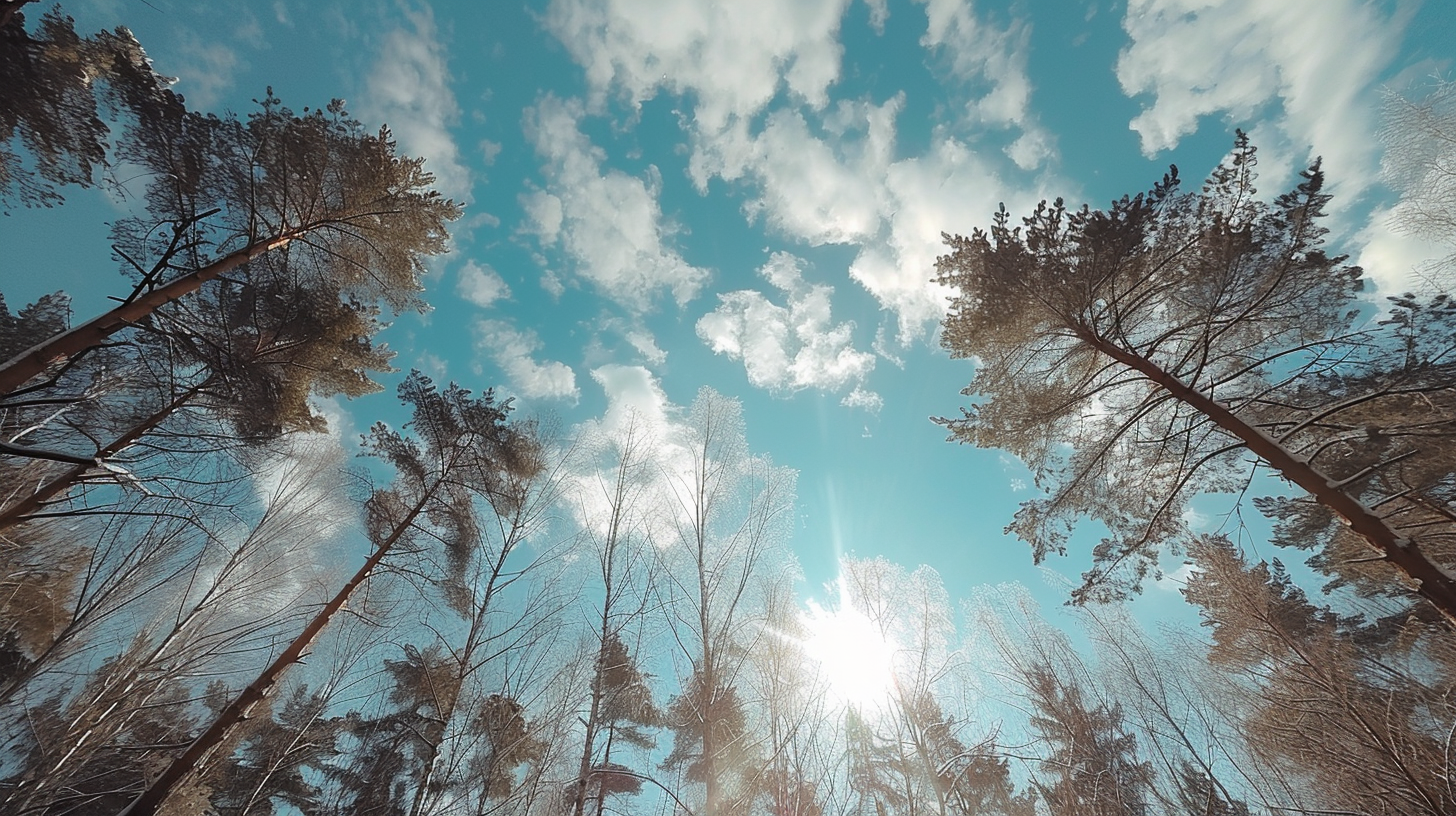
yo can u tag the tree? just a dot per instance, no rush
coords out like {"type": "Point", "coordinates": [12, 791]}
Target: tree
{"type": "Point", "coordinates": [619, 703]}
{"type": "Point", "coordinates": [214, 595]}
{"type": "Point", "coordinates": [1357, 705]}
{"type": "Point", "coordinates": [274, 760]}
{"type": "Point", "coordinates": [492, 611]}
{"type": "Point", "coordinates": [1134, 356]}
{"type": "Point", "coordinates": [328, 204]}
{"type": "Point", "coordinates": [50, 101]}
{"type": "Point", "coordinates": [723, 516]}
{"type": "Point", "coordinates": [792, 712]}
{"type": "Point", "coordinates": [467, 449]}
{"type": "Point", "coordinates": [1419, 136]}
{"type": "Point", "coordinates": [916, 750]}
{"type": "Point", "coordinates": [1093, 763]}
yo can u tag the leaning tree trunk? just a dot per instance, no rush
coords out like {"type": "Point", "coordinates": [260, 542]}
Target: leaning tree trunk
{"type": "Point", "coordinates": [34, 361]}
{"type": "Point", "coordinates": [180, 768]}
{"type": "Point", "coordinates": [1431, 581]}
{"type": "Point", "coordinates": [21, 510]}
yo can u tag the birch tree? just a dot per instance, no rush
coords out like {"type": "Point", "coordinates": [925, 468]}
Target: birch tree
{"type": "Point", "coordinates": [619, 710]}
{"type": "Point", "coordinates": [725, 516]}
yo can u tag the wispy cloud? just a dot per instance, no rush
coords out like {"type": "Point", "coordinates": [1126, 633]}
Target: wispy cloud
{"type": "Point", "coordinates": [514, 350]}
{"type": "Point", "coordinates": [1318, 59]}
{"type": "Point", "coordinates": [732, 57]}
{"type": "Point", "coordinates": [409, 90]}
{"type": "Point", "coordinates": [990, 63]}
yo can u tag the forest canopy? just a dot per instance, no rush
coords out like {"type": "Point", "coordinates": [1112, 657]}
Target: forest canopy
{"type": "Point", "coordinates": [216, 598]}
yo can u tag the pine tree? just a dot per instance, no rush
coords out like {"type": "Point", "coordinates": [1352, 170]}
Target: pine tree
{"type": "Point", "coordinates": [467, 449]}
{"type": "Point", "coordinates": [1135, 356]}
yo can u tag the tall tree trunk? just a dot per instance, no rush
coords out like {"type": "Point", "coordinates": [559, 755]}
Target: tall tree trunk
{"type": "Point", "coordinates": [180, 768]}
{"type": "Point", "coordinates": [16, 513]}
{"type": "Point", "coordinates": [1430, 580]}
{"type": "Point", "coordinates": [32, 362]}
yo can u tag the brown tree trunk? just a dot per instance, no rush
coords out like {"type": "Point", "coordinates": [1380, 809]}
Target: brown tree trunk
{"type": "Point", "coordinates": [16, 513]}
{"type": "Point", "coordinates": [180, 768]}
{"type": "Point", "coordinates": [32, 362]}
{"type": "Point", "coordinates": [1431, 582]}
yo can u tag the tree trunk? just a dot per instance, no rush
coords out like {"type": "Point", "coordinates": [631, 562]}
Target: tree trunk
{"type": "Point", "coordinates": [180, 768]}
{"type": "Point", "coordinates": [16, 513]}
{"type": "Point", "coordinates": [1430, 580]}
{"type": "Point", "coordinates": [20, 369]}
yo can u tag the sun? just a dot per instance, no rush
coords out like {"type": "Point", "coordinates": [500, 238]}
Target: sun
{"type": "Point", "coordinates": [855, 656]}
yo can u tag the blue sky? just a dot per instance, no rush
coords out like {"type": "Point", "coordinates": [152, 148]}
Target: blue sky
{"type": "Point", "coordinates": [749, 196]}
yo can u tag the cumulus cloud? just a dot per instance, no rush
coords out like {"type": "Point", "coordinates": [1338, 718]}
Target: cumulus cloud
{"type": "Point", "coordinates": [1398, 262]}
{"type": "Point", "coordinates": [755, 79]}
{"type": "Point", "coordinates": [846, 187]}
{"type": "Point", "coordinates": [633, 394]}
{"type": "Point", "coordinates": [514, 351]}
{"type": "Point", "coordinates": [1318, 59]}
{"type": "Point", "coordinates": [791, 347]}
{"type": "Point", "coordinates": [733, 57]}
{"type": "Point", "coordinates": [821, 190]}
{"type": "Point", "coordinates": [608, 223]}
{"type": "Point", "coordinates": [409, 90]}
{"type": "Point", "coordinates": [646, 345]}
{"type": "Point", "coordinates": [864, 400]}
{"type": "Point", "coordinates": [481, 285]}
{"type": "Point", "coordinates": [949, 189]}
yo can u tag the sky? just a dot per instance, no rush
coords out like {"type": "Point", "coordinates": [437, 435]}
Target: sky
{"type": "Point", "coordinates": [750, 196]}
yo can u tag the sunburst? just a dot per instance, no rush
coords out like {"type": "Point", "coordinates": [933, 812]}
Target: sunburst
{"type": "Point", "coordinates": [855, 656]}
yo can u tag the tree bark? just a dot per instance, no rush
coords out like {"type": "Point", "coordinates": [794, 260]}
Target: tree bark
{"type": "Point", "coordinates": [32, 362]}
{"type": "Point", "coordinates": [1430, 580]}
{"type": "Point", "coordinates": [180, 768]}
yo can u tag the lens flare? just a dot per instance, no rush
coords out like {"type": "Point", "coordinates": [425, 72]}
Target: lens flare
{"type": "Point", "coordinates": [856, 657]}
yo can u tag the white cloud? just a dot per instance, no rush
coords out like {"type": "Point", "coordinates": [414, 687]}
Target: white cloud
{"type": "Point", "coordinates": [1396, 262]}
{"type": "Point", "coordinates": [754, 80]}
{"type": "Point", "coordinates": [631, 391]}
{"type": "Point", "coordinates": [981, 55]}
{"type": "Point", "coordinates": [206, 71]}
{"type": "Point", "coordinates": [609, 223]}
{"type": "Point", "coordinates": [1177, 579]}
{"type": "Point", "coordinates": [786, 348]}
{"type": "Point", "coordinates": [513, 350]}
{"type": "Point", "coordinates": [866, 400]}
{"type": "Point", "coordinates": [733, 57]}
{"type": "Point", "coordinates": [646, 345]}
{"type": "Point", "coordinates": [433, 365]}
{"type": "Point", "coordinates": [947, 190]}
{"type": "Point", "coordinates": [552, 284]}
{"type": "Point", "coordinates": [1319, 59]}
{"type": "Point", "coordinates": [543, 215]}
{"type": "Point", "coordinates": [481, 285]}
{"type": "Point", "coordinates": [879, 13]}
{"type": "Point", "coordinates": [821, 191]}
{"type": "Point", "coordinates": [409, 90]}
